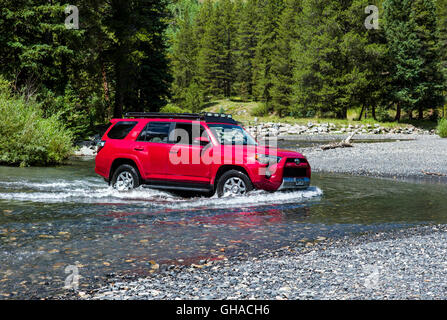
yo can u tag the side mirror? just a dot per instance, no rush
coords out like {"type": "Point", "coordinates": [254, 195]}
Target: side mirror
{"type": "Point", "coordinates": [203, 141]}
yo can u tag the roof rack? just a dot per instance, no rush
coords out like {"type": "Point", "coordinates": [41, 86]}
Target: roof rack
{"type": "Point", "coordinates": [148, 115]}
{"type": "Point", "coordinates": [205, 116]}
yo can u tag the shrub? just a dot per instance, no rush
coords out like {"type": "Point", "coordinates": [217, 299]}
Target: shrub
{"type": "Point", "coordinates": [260, 111]}
{"type": "Point", "coordinates": [26, 137]}
{"type": "Point", "coordinates": [170, 108]}
{"type": "Point", "coordinates": [442, 128]}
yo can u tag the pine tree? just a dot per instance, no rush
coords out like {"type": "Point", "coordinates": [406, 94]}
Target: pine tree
{"type": "Point", "coordinates": [320, 65]}
{"type": "Point", "coordinates": [270, 12]}
{"type": "Point", "coordinates": [411, 36]}
{"type": "Point", "coordinates": [442, 32]}
{"type": "Point", "coordinates": [215, 61]}
{"type": "Point", "coordinates": [36, 49]}
{"type": "Point", "coordinates": [430, 85]}
{"type": "Point", "coordinates": [283, 65]}
{"type": "Point", "coordinates": [183, 60]}
{"type": "Point", "coordinates": [246, 43]}
{"type": "Point", "coordinates": [366, 79]}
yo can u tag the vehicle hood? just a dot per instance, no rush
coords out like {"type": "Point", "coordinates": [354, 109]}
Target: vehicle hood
{"type": "Point", "coordinates": [266, 150]}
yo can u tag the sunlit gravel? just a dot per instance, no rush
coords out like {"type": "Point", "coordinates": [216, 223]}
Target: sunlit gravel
{"type": "Point", "coordinates": [405, 264]}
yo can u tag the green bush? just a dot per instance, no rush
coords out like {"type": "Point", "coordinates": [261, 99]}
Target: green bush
{"type": "Point", "coordinates": [442, 128]}
{"type": "Point", "coordinates": [260, 110]}
{"type": "Point", "coordinates": [170, 108]}
{"type": "Point", "coordinates": [26, 137]}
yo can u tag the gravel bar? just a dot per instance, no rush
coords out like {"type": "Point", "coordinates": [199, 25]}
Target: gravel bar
{"type": "Point", "coordinates": [400, 159]}
{"type": "Point", "coordinates": [409, 263]}
{"type": "Point", "coordinates": [401, 264]}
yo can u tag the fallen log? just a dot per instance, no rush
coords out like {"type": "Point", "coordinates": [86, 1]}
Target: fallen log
{"type": "Point", "coordinates": [435, 174]}
{"type": "Point", "coordinates": [343, 144]}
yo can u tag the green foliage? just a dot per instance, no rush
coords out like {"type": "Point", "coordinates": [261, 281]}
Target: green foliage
{"type": "Point", "coordinates": [411, 32]}
{"type": "Point", "coordinates": [442, 128]}
{"type": "Point", "coordinates": [116, 62]}
{"type": "Point", "coordinates": [314, 58]}
{"type": "Point", "coordinates": [270, 12]}
{"type": "Point", "coordinates": [246, 41]}
{"type": "Point", "coordinates": [261, 110]}
{"type": "Point", "coordinates": [283, 64]}
{"type": "Point", "coordinates": [26, 138]}
{"type": "Point", "coordinates": [169, 108]}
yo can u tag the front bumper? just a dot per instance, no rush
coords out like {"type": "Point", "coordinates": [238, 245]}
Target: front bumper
{"type": "Point", "coordinates": [294, 184]}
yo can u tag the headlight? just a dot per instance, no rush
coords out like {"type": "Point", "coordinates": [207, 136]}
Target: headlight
{"type": "Point", "coordinates": [267, 159]}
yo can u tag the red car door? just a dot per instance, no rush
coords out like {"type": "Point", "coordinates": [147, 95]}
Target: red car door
{"type": "Point", "coordinates": [185, 162]}
{"type": "Point", "coordinates": [152, 148]}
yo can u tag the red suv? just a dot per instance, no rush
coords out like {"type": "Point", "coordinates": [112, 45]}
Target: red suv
{"type": "Point", "coordinates": [206, 153]}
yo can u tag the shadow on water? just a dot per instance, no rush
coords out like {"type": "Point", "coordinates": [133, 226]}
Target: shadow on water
{"type": "Point", "coordinates": [51, 218]}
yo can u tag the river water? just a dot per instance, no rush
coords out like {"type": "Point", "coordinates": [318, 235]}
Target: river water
{"type": "Point", "coordinates": [53, 218]}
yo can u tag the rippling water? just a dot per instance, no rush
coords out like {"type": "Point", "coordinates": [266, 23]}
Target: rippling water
{"type": "Point", "coordinates": [51, 218]}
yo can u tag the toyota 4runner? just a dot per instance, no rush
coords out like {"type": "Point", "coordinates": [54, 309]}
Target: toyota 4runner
{"type": "Point", "coordinates": [204, 153]}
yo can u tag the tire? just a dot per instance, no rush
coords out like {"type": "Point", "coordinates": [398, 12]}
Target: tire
{"type": "Point", "coordinates": [236, 180]}
{"type": "Point", "coordinates": [125, 178]}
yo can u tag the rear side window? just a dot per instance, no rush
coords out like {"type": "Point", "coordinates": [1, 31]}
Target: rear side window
{"type": "Point", "coordinates": [185, 133]}
{"type": "Point", "coordinates": [156, 132]}
{"type": "Point", "coordinates": [121, 129]}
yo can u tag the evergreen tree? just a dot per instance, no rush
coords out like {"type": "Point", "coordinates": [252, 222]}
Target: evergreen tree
{"type": "Point", "coordinates": [283, 64]}
{"type": "Point", "coordinates": [215, 61]}
{"type": "Point", "coordinates": [320, 66]}
{"type": "Point", "coordinates": [246, 43]}
{"type": "Point", "coordinates": [442, 32]}
{"type": "Point", "coordinates": [430, 84]}
{"type": "Point", "coordinates": [411, 36]}
{"type": "Point", "coordinates": [138, 54]}
{"type": "Point", "coordinates": [270, 13]}
{"type": "Point", "coordinates": [36, 49]}
{"type": "Point", "coordinates": [183, 60]}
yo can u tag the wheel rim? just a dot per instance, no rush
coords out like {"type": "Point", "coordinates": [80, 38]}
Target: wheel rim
{"type": "Point", "coordinates": [124, 181]}
{"type": "Point", "coordinates": [234, 186]}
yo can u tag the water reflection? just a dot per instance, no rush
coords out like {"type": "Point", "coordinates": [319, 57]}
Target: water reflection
{"type": "Point", "coordinates": [46, 225]}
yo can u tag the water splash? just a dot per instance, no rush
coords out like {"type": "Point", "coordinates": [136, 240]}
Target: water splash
{"type": "Point", "coordinates": [94, 190]}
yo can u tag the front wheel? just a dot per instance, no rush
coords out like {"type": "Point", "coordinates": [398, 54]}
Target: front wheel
{"type": "Point", "coordinates": [125, 178]}
{"type": "Point", "coordinates": [233, 183]}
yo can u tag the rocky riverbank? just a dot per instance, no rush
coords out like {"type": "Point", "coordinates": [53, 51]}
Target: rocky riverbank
{"type": "Point", "coordinates": [425, 156]}
{"type": "Point", "coordinates": [270, 129]}
{"type": "Point", "coordinates": [400, 264]}
{"type": "Point", "coordinates": [293, 131]}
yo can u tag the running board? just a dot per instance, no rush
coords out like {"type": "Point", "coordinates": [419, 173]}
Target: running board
{"type": "Point", "coordinates": [181, 186]}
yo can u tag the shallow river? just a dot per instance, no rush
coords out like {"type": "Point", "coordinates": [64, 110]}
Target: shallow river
{"type": "Point", "coordinates": [51, 218]}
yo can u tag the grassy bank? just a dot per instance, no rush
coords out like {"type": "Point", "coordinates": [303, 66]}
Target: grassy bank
{"type": "Point", "coordinates": [26, 137]}
{"type": "Point", "coordinates": [243, 111]}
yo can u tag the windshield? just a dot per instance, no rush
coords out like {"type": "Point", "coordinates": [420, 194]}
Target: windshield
{"type": "Point", "coordinates": [228, 134]}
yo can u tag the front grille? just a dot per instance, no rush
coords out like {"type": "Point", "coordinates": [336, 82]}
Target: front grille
{"type": "Point", "coordinates": [295, 172]}
{"type": "Point", "coordinates": [292, 160]}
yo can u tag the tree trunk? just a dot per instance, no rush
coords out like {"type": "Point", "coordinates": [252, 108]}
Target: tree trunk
{"type": "Point", "coordinates": [374, 112]}
{"type": "Point", "coordinates": [410, 114]}
{"type": "Point", "coordinates": [361, 113]}
{"type": "Point", "coordinates": [105, 86]}
{"type": "Point", "coordinates": [119, 91]}
{"type": "Point", "coordinates": [421, 113]}
{"type": "Point", "coordinates": [398, 113]}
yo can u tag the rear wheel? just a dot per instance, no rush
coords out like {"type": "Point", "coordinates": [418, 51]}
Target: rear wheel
{"type": "Point", "coordinates": [233, 183]}
{"type": "Point", "coordinates": [125, 178]}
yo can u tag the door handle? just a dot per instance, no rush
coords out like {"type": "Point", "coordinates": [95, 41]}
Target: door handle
{"type": "Point", "coordinates": [139, 149]}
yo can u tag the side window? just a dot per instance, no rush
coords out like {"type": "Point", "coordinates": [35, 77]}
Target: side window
{"type": "Point", "coordinates": [186, 133]}
{"type": "Point", "coordinates": [121, 129]}
{"type": "Point", "coordinates": [155, 132]}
